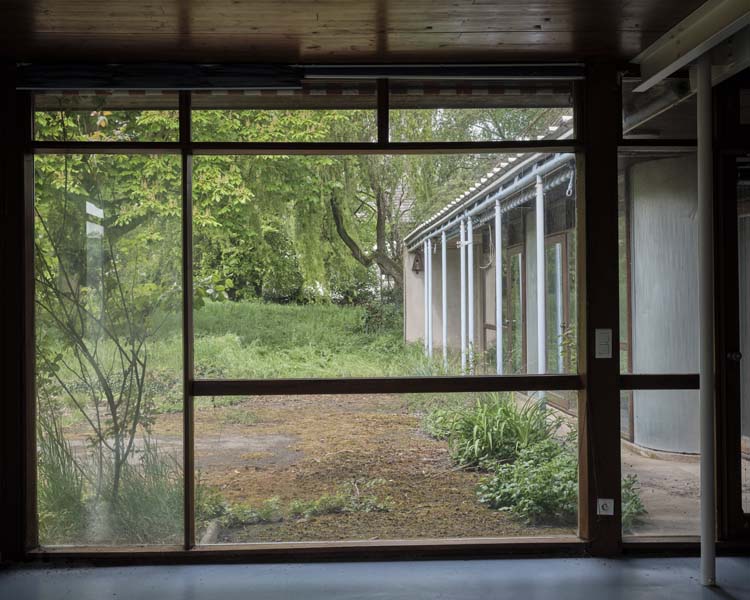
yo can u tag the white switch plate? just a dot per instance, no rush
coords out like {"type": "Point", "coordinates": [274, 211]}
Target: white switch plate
{"type": "Point", "coordinates": [603, 341]}
{"type": "Point", "coordinates": [605, 506]}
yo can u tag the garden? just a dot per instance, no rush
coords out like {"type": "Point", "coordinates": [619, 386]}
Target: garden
{"type": "Point", "coordinates": [296, 273]}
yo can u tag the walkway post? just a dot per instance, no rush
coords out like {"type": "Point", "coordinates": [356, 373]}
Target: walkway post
{"type": "Point", "coordinates": [462, 259]}
{"type": "Point", "coordinates": [541, 292]}
{"type": "Point", "coordinates": [706, 309]}
{"type": "Point", "coordinates": [425, 278]}
{"type": "Point", "coordinates": [559, 306]}
{"type": "Point", "coordinates": [444, 300]}
{"type": "Point", "coordinates": [498, 288]}
{"type": "Point", "coordinates": [429, 297]}
{"type": "Point", "coordinates": [470, 268]}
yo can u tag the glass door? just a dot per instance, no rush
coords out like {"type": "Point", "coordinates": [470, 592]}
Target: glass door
{"type": "Point", "coordinates": [742, 171]}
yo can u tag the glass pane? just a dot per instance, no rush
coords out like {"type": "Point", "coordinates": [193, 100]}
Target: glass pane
{"type": "Point", "coordinates": [661, 490]}
{"type": "Point", "coordinates": [106, 116]}
{"type": "Point", "coordinates": [514, 347]}
{"type": "Point", "coordinates": [382, 467]}
{"type": "Point", "coordinates": [658, 263]}
{"type": "Point", "coordinates": [108, 349]}
{"type": "Point", "coordinates": [743, 239]}
{"type": "Point", "coordinates": [666, 111]}
{"type": "Point", "coordinates": [320, 111]}
{"type": "Point", "coordinates": [555, 307]}
{"type": "Point", "coordinates": [314, 266]}
{"type": "Point", "coordinates": [480, 111]}
{"type": "Point", "coordinates": [626, 414]}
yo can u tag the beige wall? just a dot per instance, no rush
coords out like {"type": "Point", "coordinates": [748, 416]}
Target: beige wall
{"type": "Point", "coordinates": [414, 297]}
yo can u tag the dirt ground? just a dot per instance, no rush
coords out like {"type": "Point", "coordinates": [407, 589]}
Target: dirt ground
{"type": "Point", "coordinates": [301, 447]}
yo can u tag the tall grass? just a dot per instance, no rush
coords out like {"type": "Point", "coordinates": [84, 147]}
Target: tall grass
{"type": "Point", "coordinates": [253, 339]}
{"type": "Point", "coordinates": [60, 485]}
{"type": "Point", "coordinates": [75, 507]}
{"type": "Point", "coordinates": [495, 428]}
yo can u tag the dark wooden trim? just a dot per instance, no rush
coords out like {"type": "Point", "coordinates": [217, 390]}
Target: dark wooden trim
{"type": "Point", "coordinates": [355, 550]}
{"type": "Point", "coordinates": [106, 147]}
{"type": "Point", "coordinates": [661, 381]}
{"type": "Point", "coordinates": [158, 76]}
{"type": "Point", "coordinates": [383, 111]}
{"type": "Point", "coordinates": [599, 404]}
{"type": "Point", "coordinates": [730, 142]}
{"type": "Point", "coordinates": [188, 432]}
{"type": "Point", "coordinates": [31, 533]}
{"type": "Point", "coordinates": [17, 443]}
{"type": "Point", "coordinates": [317, 148]}
{"type": "Point", "coordinates": [368, 550]}
{"type": "Point", "coordinates": [385, 385]}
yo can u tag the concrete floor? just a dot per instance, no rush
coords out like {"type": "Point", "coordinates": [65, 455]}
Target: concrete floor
{"type": "Point", "coordinates": [670, 491]}
{"type": "Point", "coordinates": [537, 579]}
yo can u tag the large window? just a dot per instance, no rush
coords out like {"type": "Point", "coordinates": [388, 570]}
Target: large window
{"type": "Point", "coordinates": [263, 316]}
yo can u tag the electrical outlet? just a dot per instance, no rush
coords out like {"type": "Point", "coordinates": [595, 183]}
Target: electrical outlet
{"type": "Point", "coordinates": [605, 506]}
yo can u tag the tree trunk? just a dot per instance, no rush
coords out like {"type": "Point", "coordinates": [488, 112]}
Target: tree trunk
{"type": "Point", "coordinates": [388, 265]}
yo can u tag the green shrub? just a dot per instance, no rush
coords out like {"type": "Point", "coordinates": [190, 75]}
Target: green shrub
{"type": "Point", "coordinates": [355, 496]}
{"type": "Point", "coordinates": [241, 514]}
{"type": "Point", "coordinates": [210, 505]}
{"type": "Point", "coordinates": [540, 487]}
{"type": "Point", "coordinates": [325, 505]}
{"type": "Point", "coordinates": [495, 428]}
{"type": "Point", "coordinates": [439, 422]}
{"type": "Point", "coordinates": [632, 505]}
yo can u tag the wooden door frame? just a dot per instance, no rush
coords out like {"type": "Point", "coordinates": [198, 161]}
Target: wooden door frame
{"type": "Point", "coordinates": [732, 141]}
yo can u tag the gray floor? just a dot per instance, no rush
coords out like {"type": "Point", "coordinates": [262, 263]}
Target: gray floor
{"type": "Point", "coordinates": [533, 579]}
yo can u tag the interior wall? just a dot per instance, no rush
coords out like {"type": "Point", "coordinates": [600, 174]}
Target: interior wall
{"type": "Point", "coordinates": [663, 196]}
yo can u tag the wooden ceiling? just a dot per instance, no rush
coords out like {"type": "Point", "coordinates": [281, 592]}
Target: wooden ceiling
{"type": "Point", "coordinates": [332, 31]}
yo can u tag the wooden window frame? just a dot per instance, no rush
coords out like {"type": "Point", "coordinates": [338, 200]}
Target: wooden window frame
{"type": "Point", "coordinates": [598, 382]}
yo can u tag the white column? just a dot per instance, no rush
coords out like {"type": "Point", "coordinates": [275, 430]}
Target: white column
{"type": "Point", "coordinates": [444, 300]}
{"type": "Point", "coordinates": [425, 277]}
{"type": "Point", "coordinates": [498, 287]}
{"type": "Point", "coordinates": [470, 285]}
{"type": "Point", "coordinates": [462, 258]}
{"type": "Point", "coordinates": [429, 298]}
{"type": "Point", "coordinates": [559, 305]}
{"type": "Point", "coordinates": [706, 311]}
{"type": "Point", "coordinates": [541, 291]}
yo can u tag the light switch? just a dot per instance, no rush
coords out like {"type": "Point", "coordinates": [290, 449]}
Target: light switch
{"type": "Point", "coordinates": [603, 341]}
{"type": "Point", "coordinates": [605, 507]}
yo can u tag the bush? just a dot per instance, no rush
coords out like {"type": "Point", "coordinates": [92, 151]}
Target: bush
{"type": "Point", "coordinates": [356, 496]}
{"type": "Point", "coordinates": [541, 486]}
{"type": "Point", "coordinates": [439, 422]}
{"type": "Point", "coordinates": [632, 505]}
{"type": "Point", "coordinates": [495, 429]}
